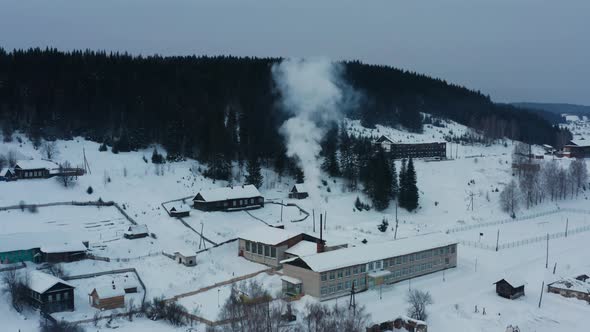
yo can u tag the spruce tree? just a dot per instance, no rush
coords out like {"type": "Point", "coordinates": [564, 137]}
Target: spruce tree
{"type": "Point", "coordinates": [411, 189]}
{"type": "Point", "coordinates": [254, 174]}
{"type": "Point", "coordinates": [378, 180]}
{"type": "Point", "coordinates": [329, 152]}
{"type": "Point", "coordinates": [402, 193]}
{"type": "Point", "coordinates": [394, 181]}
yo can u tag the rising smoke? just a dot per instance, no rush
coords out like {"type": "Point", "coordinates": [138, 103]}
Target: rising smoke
{"type": "Point", "coordinates": [313, 93]}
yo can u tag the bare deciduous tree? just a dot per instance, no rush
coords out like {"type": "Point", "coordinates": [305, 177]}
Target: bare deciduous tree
{"type": "Point", "coordinates": [66, 176]}
{"type": "Point", "coordinates": [579, 174]}
{"type": "Point", "coordinates": [11, 157]}
{"type": "Point", "coordinates": [16, 287]}
{"type": "Point", "coordinates": [3, 162]}
{"type": "Point", "coordinates": [509, 198]}
{"type": "Point", "coordinates": [49, 149]}
{"type": "Point", "coordinates": [418, 301]}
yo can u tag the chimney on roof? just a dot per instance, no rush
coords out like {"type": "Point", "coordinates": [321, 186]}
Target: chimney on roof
{"type": "Point", "coordinates": [320, 242]}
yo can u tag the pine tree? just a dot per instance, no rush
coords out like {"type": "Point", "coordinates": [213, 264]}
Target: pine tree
{"type": "Point", "coordinates": [348, 160]}
{"type": "Point", "coordinates": [254, 175]}
{"type": "Point", "coordinates": [402, 193]}
{"type": "Point", "coordinates": [394, 181]}
{"type": "Point", "coordinates": [329, 151]}
{"type": "Point", "coordinates": [411, 188]}
{"type": "Point", "coordinates": [378, 180]}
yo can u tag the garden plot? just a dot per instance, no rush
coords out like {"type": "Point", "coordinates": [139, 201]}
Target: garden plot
{"type": "Point", "coordinates": [102, 227]}
{"type": "Point", "coordinates": [85, 286]}
{"type": "Point", "coordinates": [524, 229]}
{"type": "Point", "coordinates": [222, 226]}
{"type": "Point", "coordinates": [208, 304]}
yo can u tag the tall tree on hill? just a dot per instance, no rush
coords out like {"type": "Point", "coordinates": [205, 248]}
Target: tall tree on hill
{"type": "Point", "coordinates": [394, 181]}
{"type": "Point", "coordinates": [254, 174]}
{"type": "Point", "coordinates": [411, 188]}
{"type": "Point", "coordinates": [402, 196]}
{"type": "Point", "coordinates": [329, 152]}
{"type": "Point", "coordinates": [348, 160]}
{"type": "Point", "coordinates": [378, 180]}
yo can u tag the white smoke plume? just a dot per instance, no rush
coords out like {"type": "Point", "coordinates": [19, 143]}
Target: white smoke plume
{"type": "Point", "coordinates": [313, 93]}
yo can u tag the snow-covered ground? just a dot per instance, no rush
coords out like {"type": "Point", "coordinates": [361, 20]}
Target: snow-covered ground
{"type": "Point", "coordinates": [445, 190]}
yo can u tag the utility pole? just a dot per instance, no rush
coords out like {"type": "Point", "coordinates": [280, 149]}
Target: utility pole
{"type": "Point", "coordinates": [396, 222]}
{"type": "Point", "coordinates": [541, 297]}
{"type": "Point", "coordinates": [547, 256]}
{"type": "Point", "coordinates": [325, 220]}
{"type": "Point", "coordinates": [313, 214]}
{"type": "Point", "coordinates": [497, 239]}
{"type": "Point", "coordinates": [475, 264]}
{"type": "Point", "coordinates": [566, 225]}
{"type": "Point", "coordinates": [281, 211]}
{"type": "Point", "coordinates": [554, 267]}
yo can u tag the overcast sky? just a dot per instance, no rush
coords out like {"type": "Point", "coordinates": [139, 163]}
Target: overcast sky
{"type": "Point", "coordinates": [513, 50]}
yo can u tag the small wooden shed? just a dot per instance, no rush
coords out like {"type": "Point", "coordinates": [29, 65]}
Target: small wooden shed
{"type": "Point", "coordinates": [136, 232]}
{"type": "Point", "coordinates": [299, 191]}
{"type": "Point", "coordinates": [108, 297]}
{"type": "Point", "coordinates": [179, 211]}
{"type": "Point", "coordinates": [186, 258]}
{"type": "Point", "coordinates": [510, 288]}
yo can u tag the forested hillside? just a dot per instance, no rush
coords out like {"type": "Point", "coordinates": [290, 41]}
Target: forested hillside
{"type": "Point", "coordinates": [217, 107]}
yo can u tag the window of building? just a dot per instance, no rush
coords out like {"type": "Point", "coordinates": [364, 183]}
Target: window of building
{"type": "Point", "coordinates": [347, 272]}
{"type": "Point", "coordinates": [398, 260]}
{"type": "Point", "coordinates": [405, 271]}
{"type": "Point", "coordinates": [266, 251]}
{"type": "Point", "coordinates": [324, 276]}
{"type": "Point", "coordinates": [347, 285]}
{"type": "Point", "coordinates": [446, 250]}
{"type": "Point", "coordinates": [340, 273]}
{"type": "Point", "coordinates": [355, 270]}
{"type": "Point", "coordinates": [324, 290]}
{"type": "Point", "coordinates": [339, 286]}
{"type": "Point", "coordinates": [371, 266]}
{"type": "Point", "coordinates": [452, 249]}
{"type": "Point", "coordinates": [405, 259]}
{"type": "Point", "coordinates": [247, 245]}
{"type": "Point", "coordinates": [363, 269]}
{"type": "Point", "coordinates": [332, 289]}
{"type": "Point", "coordinates": [50, 298]}
{"type": "Point", "coordinates": [58, 297]}
{"type": "Point", "coordinates": [385, 263]}
{"type": "Point", "coordinates": [377, 265]}
{"type": "Point", "coordinates": [411, 257]}
{"type": "Point", "coordinates": [447, 260]}
{"type": "Point", "coordinates": [260, 245]}
{"type": "Point", "coordinates": [234, 203]}
{"type": "Point", "coordinates": [273, 252]}
{"type": "Point", "coordinates": [332, 275]}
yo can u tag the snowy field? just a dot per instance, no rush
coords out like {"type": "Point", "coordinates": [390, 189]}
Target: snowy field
{"type": "Point", "coordinates": [525, 229]}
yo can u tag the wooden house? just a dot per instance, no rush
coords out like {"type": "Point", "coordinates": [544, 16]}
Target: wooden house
{"type": "Point", "coordinates": [510, 288]}
{"type": "Point", "coordinates": [577, 287]}
{"type": "Point", "coordinates": [34, 169]}
{"type": "Point", "coordinates": [179, 211]}
{"type": "Point", "coordinates": [577, 148]}
{"type": "Point", "coordinates": [107, 297]}
{"type": "Point", "coordinates": [63, 252]}
{"type": "Point", "coordinates": [229, 199]}
{"type": "Point", "coordinates": [186, 258]}
{"type": "Point", "coordinates": [298, 191]}
{"type": "Point", "coordinates": [384, 142]}
{"type": "Point", "coordinates": [7, 174]}
{"type": "Point", "coordinates": [50, 294]}
{"type": "Point", "coordinates": [136, 232]}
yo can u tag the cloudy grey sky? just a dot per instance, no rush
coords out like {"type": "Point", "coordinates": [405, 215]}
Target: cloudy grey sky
{"type": "Point", "coordinates": [513, 50]}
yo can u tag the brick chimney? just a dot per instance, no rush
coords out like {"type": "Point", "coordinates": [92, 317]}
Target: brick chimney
{"type": "Point", "coordinates": [320, 242]}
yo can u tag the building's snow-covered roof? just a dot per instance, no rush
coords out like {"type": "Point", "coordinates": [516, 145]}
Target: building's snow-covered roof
{"type": "Point", "coordinates": [54, 248]}
{"type": "Point", "coordinates": [46, 240]}
{"type": "Point", "coordinates": [267, 235]}
{"type": "Point", "coordinates": [513, 279]}
{"type": "Point", "coordinates": [180, 208]}
{"type": "Point", "coordinates": [572, 284]}
{"type": "Point", "coordinates": [300, 187]}
{"type": "Point", "coordinates": [225, 193]}
{"type": "Point", "coordinates": [40, 282]}
{"type": "Point", "coordinates": [36, 164]}
{"type": "Point", "coordinates": [108, 291]}
{"type": "Point", "coordinates": [185, 252]}
{"type": "Point", "coordinates": [383, 138]}
{"type": "Point", "coordinates": [4, 171]}
{"type": "Point", "coordinates": [137, 229]}
{"type": "Point", "coordinates": [291, 280]}
{"type": "Point", "coordinates": [303, 248]}
{"type": "Point", "coordinates": [581, 142]}
{"type": "Point", "coordinates": [362, 254]}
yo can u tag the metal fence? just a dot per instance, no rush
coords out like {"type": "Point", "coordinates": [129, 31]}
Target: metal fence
{"type": "Point", "coordinates": [513, 220]}
{"type": "Point", "coordinates": [525, 242]}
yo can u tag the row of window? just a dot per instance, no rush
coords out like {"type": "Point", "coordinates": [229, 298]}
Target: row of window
{"type": "Point", "coordinates": [30, 174]}
{"type": "Point", "coordinates": [416, 257]}
{"type": "Point", "coordinates": [342, 286]}
{"type": "Point", "coordinates": [58, 297]}
{"type": "Point", "coordinates": [261, 249]}
{"type": "Point", "coordinates": [240, 202]}
{"type": "Point", "coordinates": [343, 273]}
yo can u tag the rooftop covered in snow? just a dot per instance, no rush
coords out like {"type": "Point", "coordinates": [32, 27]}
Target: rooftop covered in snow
{"type": "Point", "coordinates": [363, 254]}
{"type": "Point", "coordinates": [40, 282]}
{"type": "Point", "coordinates": [36, 164]}
{"type": "Point", "coordinates": [267, 235]}
{"type": "Point", "coordinates": [225, 193]}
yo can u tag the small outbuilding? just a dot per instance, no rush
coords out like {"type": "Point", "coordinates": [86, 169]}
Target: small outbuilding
{"type": "Point", "coordinates": [107, 297]}
{"type": "Point", "coordinates": [7, 175]}
{"type": "Point", "coordinates": [63, 252]}
{"type": "Point", "coordinates": [510, 288]}
{"type": "Point", "coordinates": [299, 191]}
{"type": "Point", "coordinates": [186, 258]}
{"type": "Point", "coordinates": [50, 294]}
{"type": "Point", "coordinates": [136, 232]}
{"type": "Point", "coordinates": [179, 211]}
{"type": "Point", "coordinates": [576, 287]}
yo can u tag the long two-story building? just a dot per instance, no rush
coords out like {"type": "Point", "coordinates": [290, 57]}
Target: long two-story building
{"type": "Point", "coordinates": [332, 274]}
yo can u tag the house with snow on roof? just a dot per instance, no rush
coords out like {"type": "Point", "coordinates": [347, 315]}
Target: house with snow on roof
{"type": "Point", "coordinates": [50, 294]}
{"type": "Point", "coordinates": [229, 198]}
{"type": "Point", "coordinates": [107, 297]}
{"type": "Point", "coordinates": [330, 274]}
{"type": "Point", "coordinates": [270, 245]}
{"type": "Point", "coordinates": [578, 287]}
{"type": "Point", "coordinates": [299, 191]}
{"type": "Point", "coordinates": [136, 232]}
{"type": "Point", "coordinates": [34, 169]}
{"type": "Point", "coordinates": [577, 148]}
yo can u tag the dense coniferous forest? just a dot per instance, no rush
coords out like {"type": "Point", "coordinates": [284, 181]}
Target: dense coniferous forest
{"type": "Point", "coordinates": [219, 109]}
